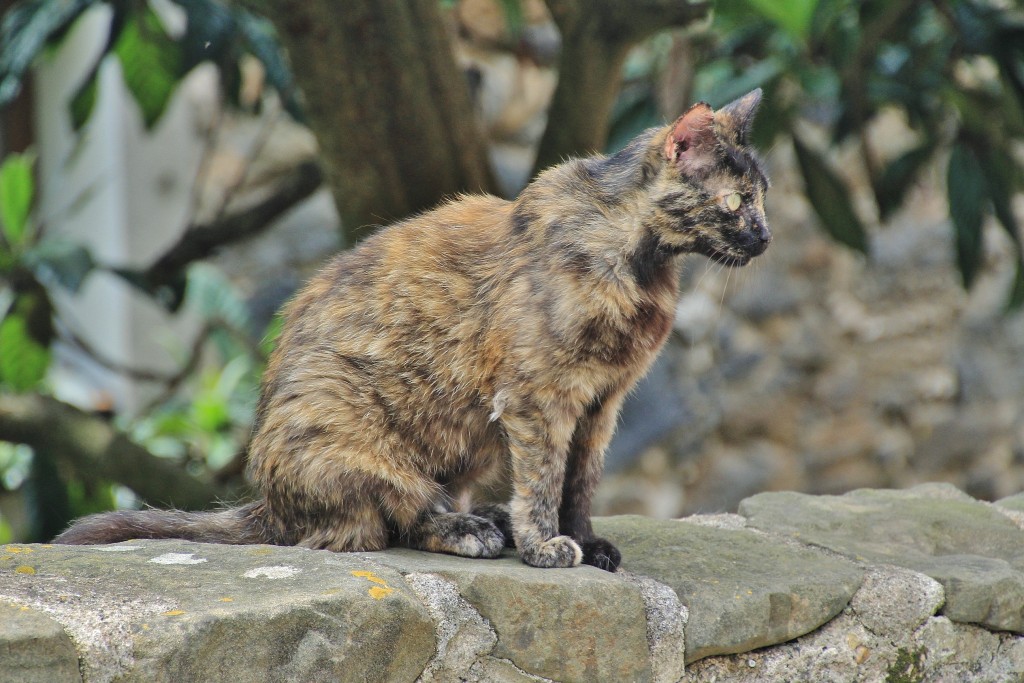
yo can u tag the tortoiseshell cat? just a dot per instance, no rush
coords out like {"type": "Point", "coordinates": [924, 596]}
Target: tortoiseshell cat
{"type": "Point", "coordinates": [481, 334]}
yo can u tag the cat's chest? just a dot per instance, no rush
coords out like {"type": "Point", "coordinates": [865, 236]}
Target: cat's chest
{"type": "Point", "coordinates": [625, 339]}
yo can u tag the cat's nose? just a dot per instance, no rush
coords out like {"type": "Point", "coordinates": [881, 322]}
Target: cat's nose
{"type": "Point", "coordinates": [761, 230]}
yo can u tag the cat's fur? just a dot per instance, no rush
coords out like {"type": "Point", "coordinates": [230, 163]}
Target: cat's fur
{"type": "Point", "coordinates": [481, 335]}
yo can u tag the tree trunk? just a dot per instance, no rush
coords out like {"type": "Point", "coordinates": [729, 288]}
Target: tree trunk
{"type": "Point", "coordinates": [387, 103]}
{"type": "Point", "coordinates": [596, 36]}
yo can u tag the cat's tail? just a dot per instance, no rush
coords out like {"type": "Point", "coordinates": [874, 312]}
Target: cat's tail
{"type": "Point", "coordinates": [241, 526]}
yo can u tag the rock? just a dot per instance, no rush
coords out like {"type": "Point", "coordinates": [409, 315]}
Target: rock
{"type": "Point", "coordinates": [689, 591]}
{"type": "Point", "coordinates": [974, 551]}
{"type": "Point", "coordinates": [894, 601]}
{"type": "Point", "coordinates": [1015, 502]}
{"type": "Point", "coordinates": [179, 611]}
{"type": "Point", "coordinates": [666, 621]}
{"type": "Point", "coordinates": [463, 637]}
{"type": "Point", "coordinates": [743, 590]}
{"type": "Point", "coordinates": [34, 648]}
{"type": "Point", "coordinates": [528, 607]}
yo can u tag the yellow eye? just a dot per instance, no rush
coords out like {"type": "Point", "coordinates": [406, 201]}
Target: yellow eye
{"type": "Point", "coordinates": [733, 201]}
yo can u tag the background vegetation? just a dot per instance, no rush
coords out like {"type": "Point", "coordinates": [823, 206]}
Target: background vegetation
{"type": "Point", "coordinates": [954, 70]}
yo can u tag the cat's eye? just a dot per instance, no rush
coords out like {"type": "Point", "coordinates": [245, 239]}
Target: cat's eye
{"type": "Point", "coordinates": [733, 201]}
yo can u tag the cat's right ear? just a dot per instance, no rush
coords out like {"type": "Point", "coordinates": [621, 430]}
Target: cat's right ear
{"type": "Point", "coordinates": [691, 141]}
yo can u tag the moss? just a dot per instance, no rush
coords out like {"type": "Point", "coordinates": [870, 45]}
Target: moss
{"type": "Point", "coordinates": [907, 668]}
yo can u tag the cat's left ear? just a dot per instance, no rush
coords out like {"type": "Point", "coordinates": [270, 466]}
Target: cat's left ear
{"type": "Point", "coordinates": [736, 119]}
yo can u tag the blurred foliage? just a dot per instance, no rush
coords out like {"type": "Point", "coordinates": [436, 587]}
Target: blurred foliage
{"type": "Point", "coordinates": [205, 421]}
{"type": "Point", "coordinates": [202, 417]}
{"type": "Point", "coordinates": [203, 414]}
{"type": "Point", "coordinates": [154, 53]}
{"type": "Point", "coordinates": [954, 69]}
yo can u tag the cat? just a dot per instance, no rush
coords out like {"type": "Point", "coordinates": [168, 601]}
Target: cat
{"type": "Point", "coordinates": [482, 336]}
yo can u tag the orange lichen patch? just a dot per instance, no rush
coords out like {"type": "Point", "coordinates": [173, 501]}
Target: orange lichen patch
{"type": "Point", "coordinates": [174, 612]}
{"type": "Point", "coordinates": [378, 592]}
{"type": "Point", "coordinates": [24, 569]}
{"type": "Point", "coordinates": [16, 549]}
{"type": "Point", "coordinates": [225, 599]}
{"type": "Point", "coordinates": [370, 576]}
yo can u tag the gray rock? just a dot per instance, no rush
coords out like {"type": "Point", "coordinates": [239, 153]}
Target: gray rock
{"type": "Point", "coordinates": [532, 611]}
{"type": "Point", "coordinates": [666, 622]}
{"type": "Point", "coordinates": [843, 651]}
{"type": "Point", "coordinates": [894, 601]}
{"type": "Point", "coordinates": [34, 648]}
{"type": "Point", "coordinates": [1015, 503]}
{"type": "Point", "coordinates": [463, 637]}
{"type": "Point", "coordinates": [179, 611]}
{"type": "Point", "coordinates": [743, 590]}
{"type": "Point", "coordinates": [973, 550]}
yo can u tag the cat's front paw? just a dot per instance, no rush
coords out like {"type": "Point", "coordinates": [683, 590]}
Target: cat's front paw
{"type": "Point", "coordinates": [560, 551]}
{"type": "Point", "coordinates": [600, 553]}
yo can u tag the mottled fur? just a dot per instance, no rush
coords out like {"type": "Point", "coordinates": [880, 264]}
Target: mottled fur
{"type": "Point", "coordinates": [481, 336]}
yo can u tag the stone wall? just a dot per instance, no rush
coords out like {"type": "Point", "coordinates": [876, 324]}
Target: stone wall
{"type": "Point", "coordinates": [876, 585]}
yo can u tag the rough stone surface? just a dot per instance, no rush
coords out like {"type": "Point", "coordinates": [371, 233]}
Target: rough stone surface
{"type": "Point", "coordinates": [927, 585]}
{"type": "Point", "coordinates": [34, 648]}
{"type": "Point", "coordinates": [743, 590]}
{"type": "Point", "coordinates": [844, 651]}
{"type": "Point", "coordinates": [1015, 502]}
{"type": "Point", "coordinates": [178, 611]}
{"type": "Point", "coordinates": [974, 551]}
{"type": "Point", "coordinates": [893, 600]}
{"type": "Point", "coordinates": [532, 611]}
{"type": "Point", "coordinates": [666, 624]}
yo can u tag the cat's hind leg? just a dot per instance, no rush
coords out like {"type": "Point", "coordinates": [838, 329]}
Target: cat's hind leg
{"type": "Point", "coordinates": [455, 533]}
{"type": "Point", "coordinates": [361, 528]}
{"type": "Point", "coordinates": [500, 514]}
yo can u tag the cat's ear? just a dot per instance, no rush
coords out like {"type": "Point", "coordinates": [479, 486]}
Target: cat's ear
{"type": "Point", "coordinates": [736, 118]}
{"type": "Point", "coordinates": [691, 141]}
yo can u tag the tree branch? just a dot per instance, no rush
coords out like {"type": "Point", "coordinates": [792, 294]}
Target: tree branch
{"type": "Point", "coordinates": [201, 241]}
{"type": "Point", "coordinates": [94, 449]}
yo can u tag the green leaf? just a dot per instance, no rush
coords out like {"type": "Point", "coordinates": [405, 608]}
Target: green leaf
{"type": "Point", "coordinates": [829, 196]}
{"type": "Point", "coordinates": [17, 188]}
{"type": "Point", "coordinates": [23, 362]}
{"type": "Point", "coordinates": [1016, 299]}
{"type": "Point", "coordinates": [261, 40]}
{"type": "Point", "coordinates": [998, 168]}
{"type": "Point", "coordinates": [965, 185]}
{"type": "Point", "coordinates": [84, 100]}
{"type": "Point", "coordinates": [151, 63]}
{"type": "Point", "coordinates": [6, 535]}
{"type": "Point", "coordinates": [793, 16]}
{"type": "Point", "coordinates": [898, 176]}
{"type": "Point", "coordinates": [26, 29]}
{"type": "Point", "coordinates": [514, 19]}
{"type": "Point", "coordinates": [209, 32]}
{"type": "Point", "coordinates": [60, 261]}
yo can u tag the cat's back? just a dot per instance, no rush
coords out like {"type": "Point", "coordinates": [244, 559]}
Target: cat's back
{"type": "Point", "coordinates": [416, 288]}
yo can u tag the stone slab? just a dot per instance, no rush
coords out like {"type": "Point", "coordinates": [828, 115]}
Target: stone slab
{"type": "Point", "coordinates": [34, 648]}
{"type": "Point", "coordinates": [579, 624]}
{"type": "Point", "coordinates": [179, 611]}
{"type": "Point", "coordinates": [743, 589]}
{"type": "Point", "coordinates": [972, 549]}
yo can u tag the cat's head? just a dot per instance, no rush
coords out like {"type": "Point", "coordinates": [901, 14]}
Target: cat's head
{"type": "Point", "coordinates": [709, 195]}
